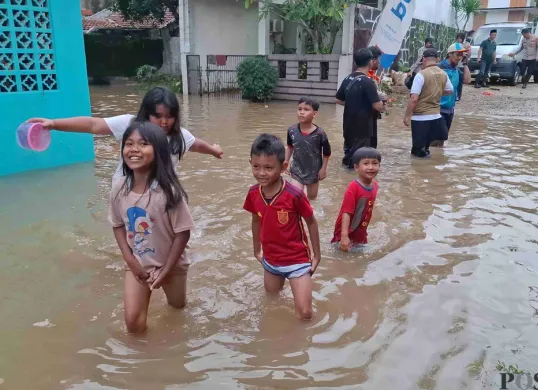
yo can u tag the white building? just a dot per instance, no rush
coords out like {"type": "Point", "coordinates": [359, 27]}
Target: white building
{"type": "Point", "coordinates": [498, 11]}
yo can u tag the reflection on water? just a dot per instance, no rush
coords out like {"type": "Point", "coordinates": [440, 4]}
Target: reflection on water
{"type": "Point", "coordinates": [444, 283]}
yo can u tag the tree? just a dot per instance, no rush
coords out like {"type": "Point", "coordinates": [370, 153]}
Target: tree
{"type": "Point", "coordinates": [141, 9]}
{"type": "Point", "coordinates": [316, 17]}
{"type": "Point", "coordinates": [463, 9]}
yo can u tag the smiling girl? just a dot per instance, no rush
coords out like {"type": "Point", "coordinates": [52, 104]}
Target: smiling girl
{"type": "Point", "coordinates": [151, 222]}
{"type": "Point", "coordinates": [159, 106]}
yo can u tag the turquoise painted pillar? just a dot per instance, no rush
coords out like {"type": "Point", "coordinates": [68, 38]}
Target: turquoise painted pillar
{"type": "Point", "coordinates": [42, 74]}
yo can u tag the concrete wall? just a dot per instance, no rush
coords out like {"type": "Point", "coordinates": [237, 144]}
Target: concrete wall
{"type": "Point", "coordinates": [293, 88]}
{"type": "Point", "coordinates": [222, 27]}
{"type": "Point", "coordinates": [497, 16]}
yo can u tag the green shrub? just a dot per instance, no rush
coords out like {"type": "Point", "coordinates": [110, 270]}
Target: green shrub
{"type": "Point", "coordinates": [256, 78]}
{"type": "Point", "coordinates": [148, 76]}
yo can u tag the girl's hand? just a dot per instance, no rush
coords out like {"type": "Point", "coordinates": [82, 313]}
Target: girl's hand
{"type": "Point", "coordinates": [322, 174]}
{"type": "Point", "coordinates": [48, 124]}
{"type": "Point", "coordinates": [315, 263]}
{"type": "Point", "coordinates": [217, 151]}
{"type": "Point", "coordinates": [157, 282]}
{"type": "Point", "coordinates": [344, 244]}
{"type": "Point", "coordinates": [141, 275]}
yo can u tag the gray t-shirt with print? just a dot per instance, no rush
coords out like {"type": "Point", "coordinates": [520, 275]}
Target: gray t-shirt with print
{"type": "Point", "coordinates": [308, 153]}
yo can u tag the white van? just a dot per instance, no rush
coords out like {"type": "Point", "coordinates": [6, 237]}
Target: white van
{"type": "Point", "coordinates": [508, 41]}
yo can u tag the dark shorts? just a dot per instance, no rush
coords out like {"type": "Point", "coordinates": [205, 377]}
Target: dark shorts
{"type": "Point", "coordinates": [424, 132]}
{"type": "Point", "coordinates": [448, 119]}
{"type": "Point", "coordinates": [311, 179]}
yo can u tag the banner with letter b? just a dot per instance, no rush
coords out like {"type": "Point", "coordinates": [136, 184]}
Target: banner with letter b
{"type": "Point", "coordinates": [391, 28]}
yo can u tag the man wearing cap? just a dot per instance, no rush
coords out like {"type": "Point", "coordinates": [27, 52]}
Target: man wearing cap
{"type": "Point", "coordinates": [487, 56]}
{"type": "Point", "coordinates": [456, 52]}
{"type": "Point", "coordinates": [423, 108]}
{"type": "Point", "coordinates": [529, 47]}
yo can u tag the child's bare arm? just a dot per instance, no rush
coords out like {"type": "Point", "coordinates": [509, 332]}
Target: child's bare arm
{"type": "Point", "coordinates": [289, 152]}
{"type": "Point", "coordinates": [326, 149]}
{"type": "Point", "coordinates": [202, 147]}
{"type": "Point", "coordinates": [178, 247]}
{"type": "Point", "coordinates": [313, 231]}
{"type": "Point", "coordinates": [127, 254]}
{"type": "Point", "coordinates": [344, 240]}
{"type": "Point", "coordinates": [256, 241]}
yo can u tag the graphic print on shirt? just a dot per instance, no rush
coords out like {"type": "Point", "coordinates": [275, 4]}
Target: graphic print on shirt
{"type": "Point", "coordinates": [283, 217]}
{"type": "Point", "coordinates": [358, 216]}
{"type": "Point", "coordinates": [140, 225]}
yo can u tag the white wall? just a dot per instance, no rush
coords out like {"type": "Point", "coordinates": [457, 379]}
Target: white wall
{"type": "Point", "coordinates": [223, 27]}
{"type": "Point", "coordinates": [435, 11]}
{"type": "Point", "coordinates": [498, 3]}
{"type": "Point", "coordinates": [497, 16]}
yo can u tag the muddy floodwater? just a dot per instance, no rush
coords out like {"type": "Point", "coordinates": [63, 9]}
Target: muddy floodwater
{"type": "Point", "coordinates": [447, 287]}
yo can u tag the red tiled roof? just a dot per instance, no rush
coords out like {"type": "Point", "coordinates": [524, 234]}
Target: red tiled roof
{"type": "Point", "coordinates": [86, 12]}
{"type": "Point", "coordinates": [106, 19]}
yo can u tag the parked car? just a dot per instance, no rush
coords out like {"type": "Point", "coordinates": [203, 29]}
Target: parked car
{"type": "Point", "coordinates": [508, 41]}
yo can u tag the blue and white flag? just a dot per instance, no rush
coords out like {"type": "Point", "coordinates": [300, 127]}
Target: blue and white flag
{"type": "Point", "coordinates": [391, 29]}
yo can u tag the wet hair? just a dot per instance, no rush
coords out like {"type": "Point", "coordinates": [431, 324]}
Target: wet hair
{"type": "Point", "coordinates": [310, 102]}
{"type": "Point", "coordinates": [460, 36]}
{"type": "Point", "coordinates": [526, 31]}
{"type": "Point", "coordinates": [376, 52]}
{"type": "Point", "coordinates": [493, 32]}
{"type": "Point", "coordinates": [155, 97]}
{"type": "Point", "coordinates": [268, 145]}
{"type": "Point", "coordinates": [362, 153]}
{"type": "Point", "coordinates": [362, 57]}
{"type": "Point", "coordinates": [162, 169]}
{"type": "Point", "coordinates": [428, 40]}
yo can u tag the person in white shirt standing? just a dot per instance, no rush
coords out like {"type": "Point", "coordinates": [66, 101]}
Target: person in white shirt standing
{"type": "Point", "coordinates": [424, 106]}
{"type": "Point", "coordinates": [529, 47]}
{"type": "Point", "coordinates": [159, 106]}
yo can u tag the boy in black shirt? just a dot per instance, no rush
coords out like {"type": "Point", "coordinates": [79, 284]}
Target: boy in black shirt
{"type": "Point", "coordinates": [310, 148]}
{"type": "Point", "coordinates": [358, 94]}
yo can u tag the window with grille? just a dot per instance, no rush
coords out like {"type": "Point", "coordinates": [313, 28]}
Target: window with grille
{"type": "Point", "coordinates": [27, 60]}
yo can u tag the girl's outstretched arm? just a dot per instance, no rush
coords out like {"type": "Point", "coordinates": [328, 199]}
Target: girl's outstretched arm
{"type": "Point", "coordinates": [200, 146]}
{"type": "Point", "coordinates": [79, 124]}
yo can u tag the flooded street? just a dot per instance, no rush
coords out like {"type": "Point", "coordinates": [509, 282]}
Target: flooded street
{"type": "Point", "coordinates": [448, 281]}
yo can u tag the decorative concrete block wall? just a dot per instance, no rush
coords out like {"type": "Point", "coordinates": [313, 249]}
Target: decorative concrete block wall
{"type": "Point", "coordinates": [42, 74]}
{"type": "Point", "coordinates": [314, 76]}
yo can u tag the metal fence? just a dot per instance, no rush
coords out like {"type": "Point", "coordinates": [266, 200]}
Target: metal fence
{"type": "Point", "coordinates": [221, 72]}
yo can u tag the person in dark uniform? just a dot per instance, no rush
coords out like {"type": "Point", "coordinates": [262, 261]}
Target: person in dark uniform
{"type": "Point", "coordinates": [358, 94]}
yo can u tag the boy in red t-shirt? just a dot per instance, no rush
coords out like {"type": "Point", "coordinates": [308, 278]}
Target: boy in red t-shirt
{"type": "Point", "coordinates": [359, 200]}
{"type": "Point", "coordinates": [278, 235]}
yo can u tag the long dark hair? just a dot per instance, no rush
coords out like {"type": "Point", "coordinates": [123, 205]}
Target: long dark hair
{"type": "Point", "coordinates": [161, 95]}
{"type": "Point", "coordinates": [162, 170]}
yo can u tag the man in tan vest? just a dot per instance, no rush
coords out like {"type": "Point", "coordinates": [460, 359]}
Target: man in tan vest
{"type": "Point", "coordinates": [424, 106]}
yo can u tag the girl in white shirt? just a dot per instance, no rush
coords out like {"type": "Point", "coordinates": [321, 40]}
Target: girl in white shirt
{"type": "Point", "coordinates": [159, 106]}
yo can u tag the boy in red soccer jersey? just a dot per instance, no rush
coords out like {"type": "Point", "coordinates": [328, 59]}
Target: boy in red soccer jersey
{"type": "Point", "coordinates": [278, 235]}
{"type": "Point", "coordinates": [359, 200]}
